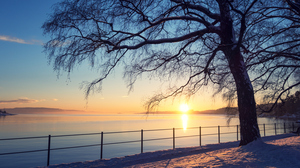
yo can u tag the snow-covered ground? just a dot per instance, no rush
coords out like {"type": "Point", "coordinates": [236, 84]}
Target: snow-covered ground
{"type": "Point", "coordinates": [273, 151]}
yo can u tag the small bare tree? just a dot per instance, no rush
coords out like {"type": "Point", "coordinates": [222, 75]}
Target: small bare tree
{"type": "Point", "coordinates": [203, 42]}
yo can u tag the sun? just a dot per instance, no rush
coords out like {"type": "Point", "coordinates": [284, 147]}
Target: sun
{"type": "Point", "coordinates": [184, 108]}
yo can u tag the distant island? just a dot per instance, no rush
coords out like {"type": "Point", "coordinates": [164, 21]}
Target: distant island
{"type": "Point", "coordinates": [4, 113]}
{"type": "Point", "coordinates": [37, 110]}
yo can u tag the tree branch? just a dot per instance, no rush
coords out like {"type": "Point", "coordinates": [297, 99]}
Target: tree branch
{"type": "Point", "coordinates": [164, 40]}
{"type": "Point", "coordinates": [198, 8]}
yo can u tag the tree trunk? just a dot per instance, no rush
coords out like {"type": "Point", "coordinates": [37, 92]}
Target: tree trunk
{"type": "Point", "coordinates": [246, 102]}
{"type": "Point", "coordinates": [249, 130]}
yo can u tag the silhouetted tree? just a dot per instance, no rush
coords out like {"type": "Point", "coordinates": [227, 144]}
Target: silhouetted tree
{"type": "Point", "coordinates": [294, 5]}
{"type": "Point", "coordinates": [203, 42]}
{"type": "Point", "coordinates": [290, 105]}
{"type": "Point", "coordinates": [276, 59]}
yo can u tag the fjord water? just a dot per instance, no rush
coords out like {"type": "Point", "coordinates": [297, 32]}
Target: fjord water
{"type": "Point", "coordinates": [33, 125]}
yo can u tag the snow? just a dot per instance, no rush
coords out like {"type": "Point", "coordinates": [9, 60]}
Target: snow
{"type": "Point", "coordinates": [272, 151]}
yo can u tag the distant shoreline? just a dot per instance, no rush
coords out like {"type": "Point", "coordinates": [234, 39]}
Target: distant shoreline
{"type": "Point", "coordinates": [224, 111]}
{"type": "Point", "coordinates": [232, 112]}
{"type": "Point", "coordinates": [39, 110]}
{"type": "Point", "coordinates": [6, 114]}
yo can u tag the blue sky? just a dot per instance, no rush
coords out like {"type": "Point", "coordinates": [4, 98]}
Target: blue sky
{"type": "Point", "coordinates": [27, 79]}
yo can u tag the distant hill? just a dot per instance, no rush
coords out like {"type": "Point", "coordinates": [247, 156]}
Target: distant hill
{"type": "Point", "coordinates": [225, 110]}
{"type": "Point", "coordinates": [36, 110]}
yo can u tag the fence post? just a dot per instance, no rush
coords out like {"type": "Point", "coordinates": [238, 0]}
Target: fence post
{"type": "Point", "coordinates": [218, 133]}
{"type": "Point", "coordinates": [48, 157]}
{"type": "Point", "coordinates": [237, 132]}
{"type": "Point", "coordinates": [173, 138]}
{"type": "Point", "coordinates": [284, 127]}
{"type": "Point", "coordinates": [101, 146]}
{"type": "Point", "coordinates": [141, 140]}
{"type": "Point", "coordinates": [200, 135]}
{"type": "Point", "coordinates": [264, 129]}
{"type": "Point", "coordinates": [275, 128]}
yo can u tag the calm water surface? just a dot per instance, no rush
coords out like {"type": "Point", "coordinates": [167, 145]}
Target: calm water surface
{"type": "Point", "coordinates": [32, 125]}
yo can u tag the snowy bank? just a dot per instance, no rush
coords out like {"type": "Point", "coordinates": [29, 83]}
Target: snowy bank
{"type": "Point", "coordinates": [272, 151]}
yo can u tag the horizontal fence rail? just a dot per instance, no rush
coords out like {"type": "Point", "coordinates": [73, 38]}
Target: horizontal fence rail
{"type": "Point", "coordinates": [276, 127]}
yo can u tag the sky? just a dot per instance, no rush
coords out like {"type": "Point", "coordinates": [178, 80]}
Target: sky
{"type": "Point", "coordinates": [28, 80]}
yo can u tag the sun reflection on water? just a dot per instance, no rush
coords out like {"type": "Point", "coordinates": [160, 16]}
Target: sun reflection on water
{"type": "Point", "coordinates": [184, 118]}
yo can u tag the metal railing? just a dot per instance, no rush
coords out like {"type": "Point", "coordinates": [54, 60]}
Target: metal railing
{"type": "Point", "coordinates": [276, 127]}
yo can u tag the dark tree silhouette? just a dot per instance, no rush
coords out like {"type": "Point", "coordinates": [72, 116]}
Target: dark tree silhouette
{"type": "Point", "coordinates": [204, 42]}
{"type": "Point", "coordinates": [294, 5]}
{"type": "Point", "coordinates": [275, 60]}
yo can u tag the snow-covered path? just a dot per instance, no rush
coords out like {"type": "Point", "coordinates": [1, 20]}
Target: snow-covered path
{"type": "Point", "coordinates": [273, 151]}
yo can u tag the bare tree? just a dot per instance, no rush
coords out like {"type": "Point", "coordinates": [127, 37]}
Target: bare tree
{"type": "Point", "coordinates": [203, 42]}
{"type": "Point", "coordinates": [294, 5]}
{"type": "Point", "coordinates": [273, 58]}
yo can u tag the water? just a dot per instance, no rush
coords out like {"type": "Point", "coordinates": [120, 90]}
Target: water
{"type": "Point", "coordinates": [32, 125]}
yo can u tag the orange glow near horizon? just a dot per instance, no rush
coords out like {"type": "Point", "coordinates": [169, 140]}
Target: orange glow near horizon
{"type": "Point", "coordinates": [126, 105]}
